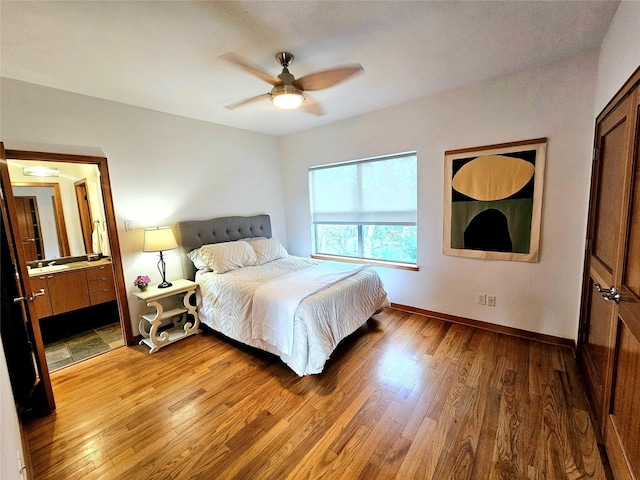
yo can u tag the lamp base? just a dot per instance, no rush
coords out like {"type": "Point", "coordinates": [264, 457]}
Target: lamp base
{"type": "Point", "coordinates": [165, 284]}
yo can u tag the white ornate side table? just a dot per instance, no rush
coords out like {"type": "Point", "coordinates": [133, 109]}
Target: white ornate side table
{"type": "Point", "coordinates": [181, 328]}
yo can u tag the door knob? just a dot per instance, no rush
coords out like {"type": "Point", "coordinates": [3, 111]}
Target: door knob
{"type": "Point", "coordinates": [608, 293]}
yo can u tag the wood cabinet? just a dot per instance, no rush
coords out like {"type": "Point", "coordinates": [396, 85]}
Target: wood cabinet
{"type": "Point", "coordinates": [41, 302]}
{"type": "Point", "coordinates": [72, 290]}
{"type": "Point", "coordinates": [100, 285]}
{"type": "Point", "coordinates": [609, 339]}
{"type": "Point", "coordinates": [68, 291]}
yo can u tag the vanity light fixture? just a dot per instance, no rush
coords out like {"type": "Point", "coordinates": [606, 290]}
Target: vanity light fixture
{"type": "Point", "coordinates": [40, 171]}
{"type": "Point", "coordinates": [159, 239]}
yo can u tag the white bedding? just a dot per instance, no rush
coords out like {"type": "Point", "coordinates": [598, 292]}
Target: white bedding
{"type": "Point", "coordinates": [321, 320]}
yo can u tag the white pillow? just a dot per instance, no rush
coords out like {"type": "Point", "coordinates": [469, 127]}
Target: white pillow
{"type": "Point", "coordinates": [198, 261]}
{"type": "Point", "coordinates": [226, 256]}
{"type": "Point", "coordinates": [268, 250]}
{"type": "Point", "coordinates": [252, 239]}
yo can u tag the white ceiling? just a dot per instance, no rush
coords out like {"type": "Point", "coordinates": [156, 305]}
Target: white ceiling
{"type": "Point", "coordinates": [164, 55]}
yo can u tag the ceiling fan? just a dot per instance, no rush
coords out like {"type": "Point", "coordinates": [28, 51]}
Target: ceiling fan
{"type": "Point", "coordinates": [287, 92]}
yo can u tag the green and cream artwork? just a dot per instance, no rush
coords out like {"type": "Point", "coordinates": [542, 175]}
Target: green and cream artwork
{"type": "Point", "coordinates": [493, 201]}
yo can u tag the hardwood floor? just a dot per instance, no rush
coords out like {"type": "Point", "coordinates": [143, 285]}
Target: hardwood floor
{"type": "Point", "coordinates": [405, 397]}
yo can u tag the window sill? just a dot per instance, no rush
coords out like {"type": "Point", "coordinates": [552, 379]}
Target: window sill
{"type": "Point", "coordinates": [378, 263]}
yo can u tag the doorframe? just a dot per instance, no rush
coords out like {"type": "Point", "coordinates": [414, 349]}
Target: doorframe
{"type": "Point", "coordinates": [110, 220]}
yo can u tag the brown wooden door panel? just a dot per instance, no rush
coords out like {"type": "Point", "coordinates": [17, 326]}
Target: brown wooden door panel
{"type": "Point", "coordinates": [630, 284]}
{"type": "Point", "coordinates": [599, 334]}
{"type": "Point", "coordinates": [625, 408]}
{"type": "Point", "coordinates": [611, 168]}
{"type": "Point", "coordinates": [631, 274]}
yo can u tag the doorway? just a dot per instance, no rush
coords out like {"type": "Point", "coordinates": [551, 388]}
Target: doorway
{"type": "Point", "coordinates": [66, 218]}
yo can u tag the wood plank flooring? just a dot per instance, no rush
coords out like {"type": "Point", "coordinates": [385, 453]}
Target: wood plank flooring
{"type": "Point", "coordinates": [405, 397]}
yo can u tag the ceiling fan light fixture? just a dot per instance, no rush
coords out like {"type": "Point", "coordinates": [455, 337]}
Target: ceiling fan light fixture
{"type": "Point", "coordinates": [286, 97]}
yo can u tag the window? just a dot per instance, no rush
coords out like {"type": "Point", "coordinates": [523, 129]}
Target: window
{"type": "Point", "coordinates": [366, 208]}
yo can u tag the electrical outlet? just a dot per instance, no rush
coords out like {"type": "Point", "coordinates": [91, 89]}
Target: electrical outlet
{"type": "Point", "coordinates": [491, 300]}
{"type": "Point", "coordinates": [482, 299]}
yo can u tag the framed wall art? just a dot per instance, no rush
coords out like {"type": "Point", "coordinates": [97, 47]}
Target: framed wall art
{"type": "Point", "coordinates": [493, 201]}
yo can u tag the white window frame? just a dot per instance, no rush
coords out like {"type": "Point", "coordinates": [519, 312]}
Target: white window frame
{"type": "Point", "coordinates": [360, 237]}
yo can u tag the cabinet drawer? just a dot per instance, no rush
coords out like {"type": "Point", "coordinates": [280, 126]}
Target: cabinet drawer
{"type": "Point", "coordinates": [102, 296]}
{"type": "Point", "coordinates": [100, 284]}
{"type": "Point", "coordinates": [105, 271]}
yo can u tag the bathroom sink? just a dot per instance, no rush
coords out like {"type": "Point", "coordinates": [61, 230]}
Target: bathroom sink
{"type": "Point", "coordinates": [48, 269]}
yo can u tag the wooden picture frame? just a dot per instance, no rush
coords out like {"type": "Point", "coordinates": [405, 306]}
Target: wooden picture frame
{"type": "Point", "coordinates": [493, 201]}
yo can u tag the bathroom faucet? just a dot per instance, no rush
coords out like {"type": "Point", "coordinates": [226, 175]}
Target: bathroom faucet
{"type": "Point", "coordinates": [51, 263]}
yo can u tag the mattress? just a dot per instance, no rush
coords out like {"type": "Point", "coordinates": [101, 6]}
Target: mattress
{"type": "Point", "coordinates": [320, 321]}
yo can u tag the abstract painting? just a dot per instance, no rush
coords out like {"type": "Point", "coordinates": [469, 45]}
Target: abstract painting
{"type": "Point", "coordinates": [493, 201]}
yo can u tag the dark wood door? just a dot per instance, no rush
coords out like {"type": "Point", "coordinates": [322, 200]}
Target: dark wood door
{"type": "Point", "coordinates": [29, 227]}
{"type": "Point", "coordinates": [610, 324]}
{"type": "Point", "coordinates": [607, 200]}
{"type": "Point", "coordinates": [15, 266]}
{"type": "Point", "coordinates": [84, 210]}
{"type": "Point", "coordinates": [622, 428]}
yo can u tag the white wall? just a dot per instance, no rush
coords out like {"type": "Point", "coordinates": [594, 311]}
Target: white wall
{"type": "Point", "coordinates": [619, 54]}
{"type": "Point", "coordinates": [554, 102]}
{"type": "Point", "coordinates": [10, 441]}
{"type": "Point", "coordinates": [163, 168]}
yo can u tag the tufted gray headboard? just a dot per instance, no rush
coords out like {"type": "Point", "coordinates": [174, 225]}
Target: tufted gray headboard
{"type": "Point", "coordinates": [195, 233]}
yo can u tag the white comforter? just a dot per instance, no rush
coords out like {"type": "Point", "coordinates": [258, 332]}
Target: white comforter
{"type": "Point", "coordinates": [321, 320]}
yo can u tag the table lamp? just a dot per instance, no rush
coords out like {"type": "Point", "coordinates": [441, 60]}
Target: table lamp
{"type": "Point", "coordinates": [159, 239]}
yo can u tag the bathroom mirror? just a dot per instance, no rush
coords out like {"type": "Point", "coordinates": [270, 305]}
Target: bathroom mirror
{"type": "Point", "coordinates": [60, 208]}
{"type": "Point", "coordinates": [82, 205]}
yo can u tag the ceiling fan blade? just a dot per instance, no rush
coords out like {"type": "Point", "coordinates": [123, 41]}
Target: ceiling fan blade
{"type": "Point", "coordinates": [247, 101]}
{"type": "Point", "coordinates": [311, 106]}
{"type": "Point", "coordinates": [249, 67]}
{"type": "Point", "coordinates": [327, 78]}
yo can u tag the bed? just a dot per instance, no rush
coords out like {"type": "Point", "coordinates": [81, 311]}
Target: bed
{"type": "Point", "coordinates": [238, 302]}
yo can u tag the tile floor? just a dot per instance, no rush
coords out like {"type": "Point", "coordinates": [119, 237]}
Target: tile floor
{"type": "Point", "coordinates": [72, 338]}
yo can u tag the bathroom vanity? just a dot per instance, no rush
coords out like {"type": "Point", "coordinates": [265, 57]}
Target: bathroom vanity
{"type": "Point", "coordinates": [72, 286]}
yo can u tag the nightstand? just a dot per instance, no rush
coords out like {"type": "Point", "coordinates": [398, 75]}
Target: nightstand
{"type": "Point", "coordinates": [179, 312]}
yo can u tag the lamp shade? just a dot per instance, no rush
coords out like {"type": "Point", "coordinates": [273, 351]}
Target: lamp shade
{"type": "Point", "coordinates": [159, 239]}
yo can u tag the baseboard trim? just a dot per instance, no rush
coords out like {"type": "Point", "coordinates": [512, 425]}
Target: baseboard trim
{"type": "Point", "coordinates": [514, 332]}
